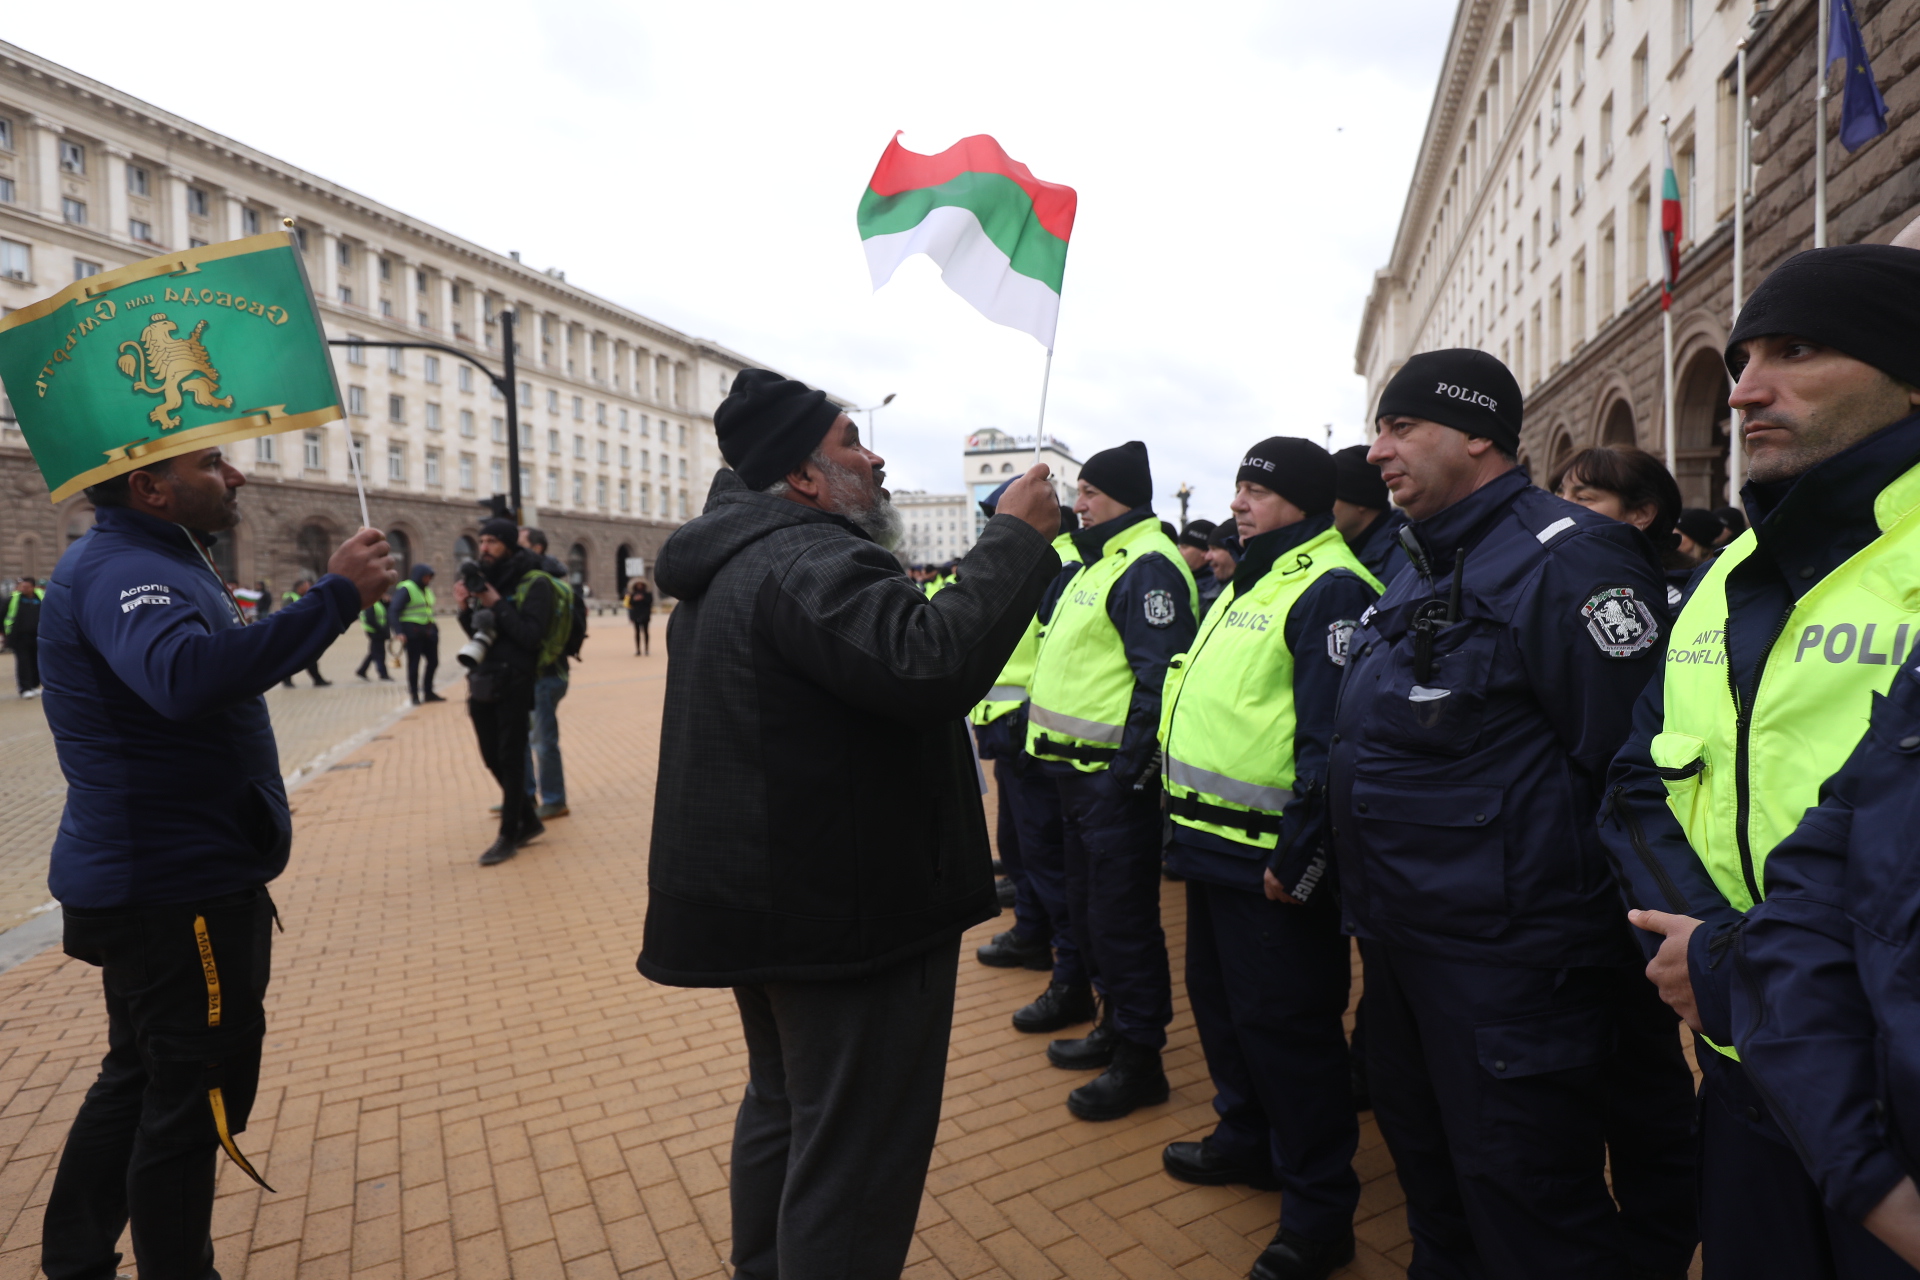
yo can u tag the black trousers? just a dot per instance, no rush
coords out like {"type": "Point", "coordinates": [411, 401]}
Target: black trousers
{"type": "Point", "coordinates": [423, 646]}
{"type": "Point", "coordinates": [26, 661]}
{"type": "Point", "coordinates": [642, 641]}
{"type": "Point", "coordinates": [1111, 834]}
{"type": "Point", "coordinates": [1035, 800]}
{"type": "Point", "coordinates": [502, 729]}
{"type": "Point", "coordinates": [1501, 1093]}
{"type": "Point", "coordinates": [184, 986]}
{"type": "Point", "coordinates": [376, 655]}
{"type": "Point", "coordinates": [1031, 923]}
{"type": "Point", "coordinates": [1760, 1213]}
{"type": "Point", "coordinates": [1269, 982]}
{"type": "Point", "coordinates": [835, 1130]}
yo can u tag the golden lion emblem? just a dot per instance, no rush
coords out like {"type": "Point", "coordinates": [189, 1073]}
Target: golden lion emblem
{"type": "Point", "coordinates": [163, 365]}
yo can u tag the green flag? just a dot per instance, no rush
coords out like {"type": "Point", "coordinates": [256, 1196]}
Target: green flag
{"type": "Point", "coordinates": [181, 352]}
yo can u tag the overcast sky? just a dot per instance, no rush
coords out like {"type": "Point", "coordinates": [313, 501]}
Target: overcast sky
{"type": "Point", "coordinates": [1241, 169]}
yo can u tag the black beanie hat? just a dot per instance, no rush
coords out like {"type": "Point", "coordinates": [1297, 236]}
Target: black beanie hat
{"type": "Point", "coordinates": [1358, 481]}
{"type": "Point", "coordinates": [1069, 519]}
{"type": "Point", "coordinates": [503, 529]}
{"type": "Point", "coordinates": [1298, 470]}
{"type": "Point", "coordinates": [1461, 388]}
{"type": "Point", "coordinates": [1225, 534]}
{"type": "Point", "coordinates": [768, 425]}
{"type": "Point", "coordinates": [1195, 534]}
{"type": "Point", "coordinates": [1860, 299]}
{"type": "Point", "coordinates": [1701, 525]}
{"type": "Point", "coordinates": [1121, 473]}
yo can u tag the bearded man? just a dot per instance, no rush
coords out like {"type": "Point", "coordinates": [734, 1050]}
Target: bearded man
{"type": "Point", "coordinates": [819, 843]}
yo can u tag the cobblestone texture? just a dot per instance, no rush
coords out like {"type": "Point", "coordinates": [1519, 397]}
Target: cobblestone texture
{"type": "Point", "coordinates": [465, 1076]}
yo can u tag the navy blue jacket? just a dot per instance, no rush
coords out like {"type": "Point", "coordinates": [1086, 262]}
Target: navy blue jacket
{"type": "Point", "coordinates": [153, 693]}
{"type": "Point", "coordinates": [1149, 648]}
{"type": "Point", "coordinates": [1804, 527]}
{"type": "Point", "coordinates": [1317, 629]}
{"type": "Point", "coordinates": [1463, 797]}
{"type": "Point", "coordinates": [1826, 1011]}
{"type": "Point", "coordinates": [1378, 547]}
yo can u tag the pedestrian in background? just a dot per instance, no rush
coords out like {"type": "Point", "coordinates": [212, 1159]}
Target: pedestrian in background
{"type": "Point", "coordinates": [1508, 1025]}
{"type": "Point", "coordinates": [412, 614]}
{"type": "Point", "coordinates": [1223, 552]}
{"type": "Point", "coordinates": [546, 771]}
{"type": "Point", "coordinates": [23, 635]}
{"type": "Point", "coordinates": [373, 621]}
{"type": "Point", "coordinates": [1364, 513]}
{"type": "Point", "coordinates": [1192, 543]}
{"type": "Point", "coordinates": [293, 596]}
{"type": "Point", "coordinates": [1630, 485]}
{"type": "Point", "coordinates": [819, 843]}
{"type": "Point", "coordinates": [640, 613]}
{"type": "Point", "coordinates": [176, 819]}
{"type": "Point", "coordinates": [1701, 534]}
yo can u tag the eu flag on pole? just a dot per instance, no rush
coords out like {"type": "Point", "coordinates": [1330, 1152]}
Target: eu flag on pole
{"type": "Point", "coordinates": [1863, 112]}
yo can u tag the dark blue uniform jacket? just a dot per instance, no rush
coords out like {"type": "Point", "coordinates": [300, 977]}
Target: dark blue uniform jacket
{"type": "Point", "coordinates": [1149, 646]}
{"type": "Point", "coordinates": [1463, 797]}
{"type": "Point", "coordinates": [1826, 1009]}
{"type": "Point", "coordinates": [1317, 629]}
{"type": "Point", "coordinates": [1805, 528]}
{"type": "Point", "coordinates": [1378, 547]}
{"type": "Point", "coordinates": [154, 697]}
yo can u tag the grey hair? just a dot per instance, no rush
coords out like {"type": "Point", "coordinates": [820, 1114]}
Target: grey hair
{"type": "Point", "coordinates": [780, 488]}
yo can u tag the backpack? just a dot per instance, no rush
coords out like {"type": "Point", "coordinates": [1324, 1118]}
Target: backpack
{"type": "Point", "coordinates": [578, 634]}
{"type": "Point", "coordinates": [553, 646]}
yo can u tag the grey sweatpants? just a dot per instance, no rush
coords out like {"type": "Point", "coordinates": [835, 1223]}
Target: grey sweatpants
{"type": "Point", "coordinates": [831, 1146]}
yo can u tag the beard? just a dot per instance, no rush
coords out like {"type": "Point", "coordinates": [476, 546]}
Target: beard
{"type": "Point", "coordinates": [862, 500]}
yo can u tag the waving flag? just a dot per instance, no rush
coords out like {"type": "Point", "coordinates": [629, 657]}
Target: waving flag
{"type": "Point", "coordinates": [998, 233]}
{"type": "Point", "coordinates": [1863, 112]}
{"type": "Point", "coordinates": [1669, 231]}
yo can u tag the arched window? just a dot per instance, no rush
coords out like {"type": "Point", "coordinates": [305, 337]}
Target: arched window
{"type": "Point", "coordinates": [986, 468]}
{"type": "Point", "coordinates": [1619, 428]}
{"type": "Point", "coordinates": [1005, 467]}
{"type": "Point", "coordinates": [1701, 430]}
{"type": "Point", "coordinates": [315, 546]}
{"type": "Point", "coordinates": [402, 550]}
{"type": "Point", "coordinates": [621, 555]}
{"type": "Point", "coordinates": [464, 548]}
{"type": "Point", "coordinates": [577, 565]}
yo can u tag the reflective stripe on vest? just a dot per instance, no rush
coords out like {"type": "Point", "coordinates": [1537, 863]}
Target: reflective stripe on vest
{"type": "Point", "coordinates": [1010, 690]}
{"type": "Point", "coordinates": [1842, 643]}
{"type": "Point", "coordinates": [1226, 716]}
{"type": "Point", "coordinates": [419, 606]}
{"type": "Point", "coordinates": [1082, 685]}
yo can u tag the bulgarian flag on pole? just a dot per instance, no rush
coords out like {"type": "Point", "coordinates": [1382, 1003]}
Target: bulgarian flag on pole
{"type": "Point", "coordinates": [1669, 231]}
{"type": "Point", "coordinates": [999, 233]}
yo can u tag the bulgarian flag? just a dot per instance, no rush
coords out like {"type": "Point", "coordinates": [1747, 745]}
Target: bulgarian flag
{"type": "Point", "coordinates": [999, 233]}
{"type": "Point", "coordinates": [1669, 231]}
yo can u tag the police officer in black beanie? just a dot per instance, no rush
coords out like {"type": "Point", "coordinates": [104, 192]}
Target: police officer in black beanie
{"type": "Point", "coordinates": [1364, 513]}
{"type": "Point", "coordinates": [1193, 549]}
{"type": "Point", "coordinates": [1245, 738]}
{"type": "Point", "coordinates": [1507, 1018]}
{"type": "Point", "coordinates": [1093, 722]}
{"type": "Point", "coordinates": [1805, 1066]}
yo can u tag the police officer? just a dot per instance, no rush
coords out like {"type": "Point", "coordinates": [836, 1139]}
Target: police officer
{"type": "Point", "coordinates": [1246, 718]}
{"type": "Point", "coordinates": [373, 621]}
{"type": "Point", "coordinates": [1364, 514]}
{"type": "Point", "coordinates": [293, 596]}
{"type": "Point", "coordinates": [1506, 1021]}
{"type": "Point", "coordinates": [1094, 716]}
{"type": "Point", "coordinates": [1783, 647]}
{"type": "Point", "coordinates": [1029, 801]}
{"type": "Point", "coordinates": [420, 634]}
{"type": "Point", "coordinates": [22, 629]}
{"type": "Point", "coordinates": [1193, 549]}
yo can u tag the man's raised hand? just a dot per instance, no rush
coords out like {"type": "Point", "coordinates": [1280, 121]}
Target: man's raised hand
{"type": "Point", "coordinates": [366, 561]}
{"type": "Point", "coordinates": [1032, 499]}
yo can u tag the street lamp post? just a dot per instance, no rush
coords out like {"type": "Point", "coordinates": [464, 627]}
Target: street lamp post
{"type": "Point", "coordinates": [871, 439]}
{"type": "Point", "coordinates": [502, 382]}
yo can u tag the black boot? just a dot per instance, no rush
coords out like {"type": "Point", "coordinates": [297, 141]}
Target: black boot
{"type": "Point", "coordinates": [1195, 1162]}
{"type": "Point", "coordinates": [1060, 1005]}
{"type": "Point", "coordinates": [1294, 1257]}
{"type": "Point", "coordinates": [1134, 1080]}
{"type": "Point", "coordinates": [531, 829]}
{"type": "Point", "coordinates": [1008, 952]}
{"type": "Point", "coordinates": [499, 851]}
{"type": "Point", "coordinates": [1093, 1052]}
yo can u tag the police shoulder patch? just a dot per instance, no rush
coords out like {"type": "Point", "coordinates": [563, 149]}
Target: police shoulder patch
{"type": "Point", "coordinates": [1159, 608]}
{"type": "Point", "coordinates": [1619, 622]}
{"type": "Point", "coordinates": [1339, 640]}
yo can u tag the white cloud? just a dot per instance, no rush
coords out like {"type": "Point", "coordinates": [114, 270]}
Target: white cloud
{"type": "Point", "coordinates": [1241, 168]}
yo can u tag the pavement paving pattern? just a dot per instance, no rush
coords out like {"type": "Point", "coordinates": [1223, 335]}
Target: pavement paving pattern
{"type": "Point", "coordinates": [466, 1077]}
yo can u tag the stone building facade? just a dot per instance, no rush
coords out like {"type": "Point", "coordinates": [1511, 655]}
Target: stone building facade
{"type": "Point", "coordinates": [937, 527]}
{"type": "Point", "coordinates": [1578, 316]}
{"type": "Point", "coordinates": [615, 409]}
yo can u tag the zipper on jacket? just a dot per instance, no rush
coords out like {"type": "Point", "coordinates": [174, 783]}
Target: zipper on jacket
{"type": "Point", "coordinates": [1676, 901]}
{"type": "Point", "coordinates": [1743, 725]}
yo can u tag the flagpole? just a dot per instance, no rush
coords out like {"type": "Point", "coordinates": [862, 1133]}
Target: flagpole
{"type": "Point", "coordinates": [1742, 140]}
{"type": "Point", "coordinates": [1040, 431]}
{"type": "Point", "coordinates": [1667, 256]}
{"type": "Point", "coordinates": [359, 480]}
{"type": "Point", "coordinates": [1820, 126]}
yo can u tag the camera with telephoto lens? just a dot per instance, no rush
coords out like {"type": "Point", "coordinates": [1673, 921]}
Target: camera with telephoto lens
{"type": "Point", "coordinates": [474, 651]}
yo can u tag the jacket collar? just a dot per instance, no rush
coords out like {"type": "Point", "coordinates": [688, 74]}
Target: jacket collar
{"type": "Point", "coordinates": [1461, 524]}
{"type": "Point", "coordinates": [1092, 541]}
{"type": "Point", "coordinates": [140, 525]}
{"type": "Point", "coordinates": [1265, 548]}
{"type": "Point", "coordinates": [1820, 518]}
{"type": "Point", "coordinates": [1385, 526]}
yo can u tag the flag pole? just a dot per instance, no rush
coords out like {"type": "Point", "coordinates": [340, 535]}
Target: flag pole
{"type": "Point", "coordinates": [1820, 125]}
{"type": "Point", "coordinates": [359, 479]}
{"type": "Point", "coordinates": [1667, 254]}
{"type": "Point", "coordinates": [1040, 430]}
{"type": "Point", "coordinates": [1742, 168]}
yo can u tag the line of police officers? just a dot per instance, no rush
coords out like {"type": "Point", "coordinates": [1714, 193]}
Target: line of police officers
{"type": "Point", "coordinates": [1437, 729]}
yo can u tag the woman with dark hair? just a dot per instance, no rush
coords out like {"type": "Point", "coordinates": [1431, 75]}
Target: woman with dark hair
{"type": "Point", "coordinates": [1632, 486]}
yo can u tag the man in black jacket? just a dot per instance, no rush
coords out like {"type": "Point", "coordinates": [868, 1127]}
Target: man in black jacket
{"type": "Point", "coordinates": [517, 608]}
{"type": "Point", "coordinates": [819, 843]}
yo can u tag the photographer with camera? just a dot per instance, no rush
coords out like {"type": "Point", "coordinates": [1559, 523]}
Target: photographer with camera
{"type": "Point", "coordinates": [508, 608]}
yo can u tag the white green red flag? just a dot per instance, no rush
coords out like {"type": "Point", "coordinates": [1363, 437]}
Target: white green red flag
{"type": "Point", "coordinates": [1669, 231]}
{"type": "Point", "coordinates": [998, 233]}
